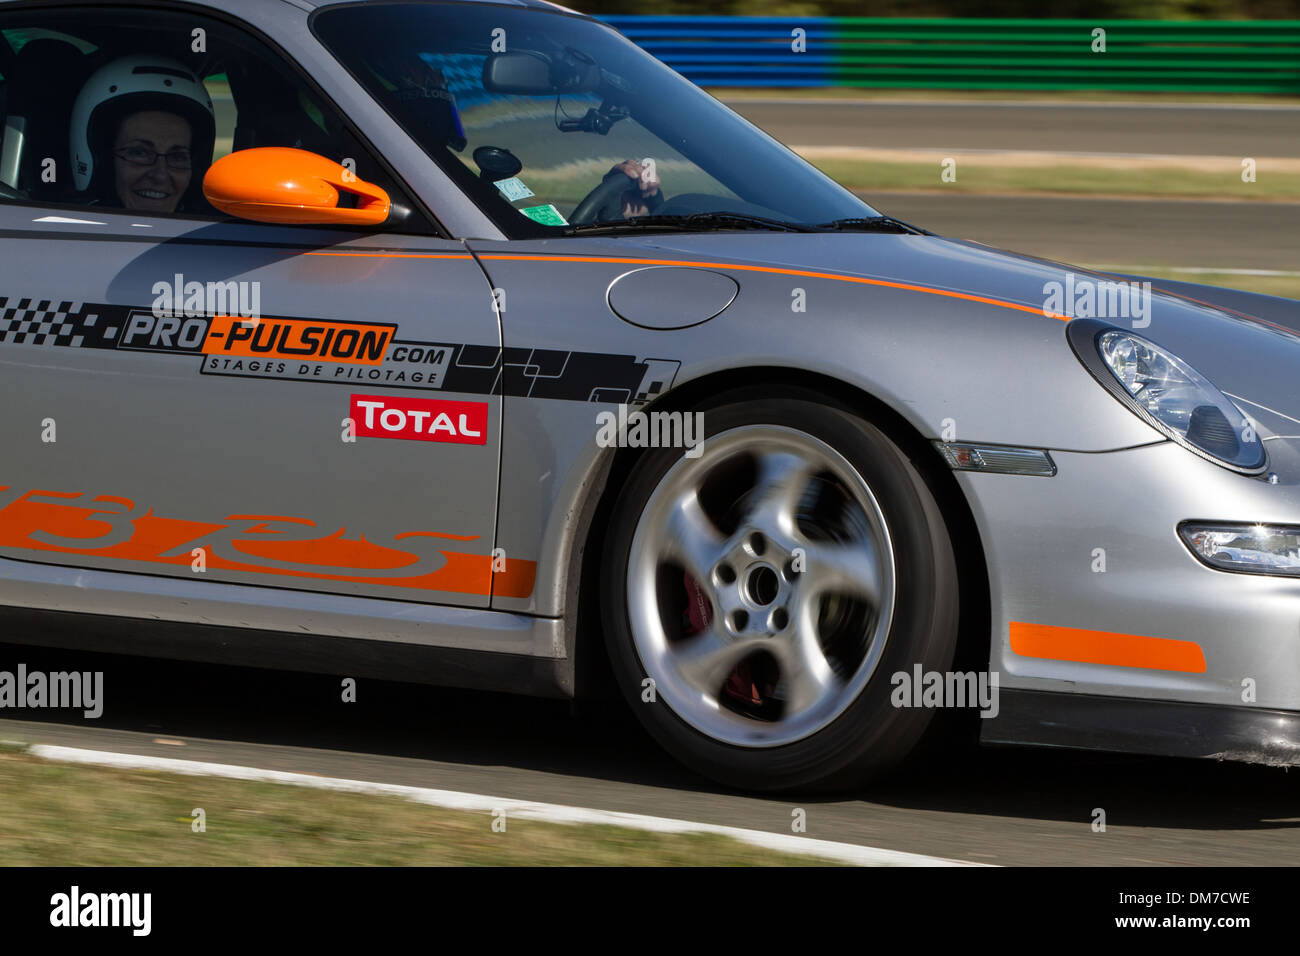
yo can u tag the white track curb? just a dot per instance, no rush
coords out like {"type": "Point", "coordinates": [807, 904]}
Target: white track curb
{"type": "Point", "coordinates": [521, 809]}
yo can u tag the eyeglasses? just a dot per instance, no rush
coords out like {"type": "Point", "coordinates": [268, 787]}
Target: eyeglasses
{"type": "Point", "coordinates": [177, 159]}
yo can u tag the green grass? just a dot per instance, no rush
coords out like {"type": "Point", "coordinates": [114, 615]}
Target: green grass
{"type": "Point", "coordinates": [1062, 179]}
{"type": "Point", "coordinates": [55, 814]}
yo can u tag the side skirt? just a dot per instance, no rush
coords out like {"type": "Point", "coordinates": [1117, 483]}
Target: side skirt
{"type": "Point", "coordinates": [313, 653]}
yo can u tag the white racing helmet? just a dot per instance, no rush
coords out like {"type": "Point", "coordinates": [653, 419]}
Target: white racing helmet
{"type": "Point", "coordinates": [129, 85]}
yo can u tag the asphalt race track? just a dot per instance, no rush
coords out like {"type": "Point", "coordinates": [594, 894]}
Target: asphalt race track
{"type": "Point", "coordinates": [1059, 126]}
{"type": "Point", "coordinates": [1087, 231]}
{"type": "Point", "coordinates": [1004, 806]}
{"type": "Point", "coordinates": [1112, 232]}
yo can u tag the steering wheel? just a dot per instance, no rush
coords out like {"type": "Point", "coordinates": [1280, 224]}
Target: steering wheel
{"type": "Point", "coordinates": [604, 202]}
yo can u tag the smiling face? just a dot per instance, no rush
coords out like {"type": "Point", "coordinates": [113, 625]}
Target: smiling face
{"type": "Point", "coordinates": [158, 187]}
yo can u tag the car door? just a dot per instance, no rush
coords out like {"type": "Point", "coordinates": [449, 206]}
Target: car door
{"type": "Point", "coordinates": [241, 403]}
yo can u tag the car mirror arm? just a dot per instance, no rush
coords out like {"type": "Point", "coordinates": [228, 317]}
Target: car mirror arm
{"type": "Point", "coordinates": [398, 216]}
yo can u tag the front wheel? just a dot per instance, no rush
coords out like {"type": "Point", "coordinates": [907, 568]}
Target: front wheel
{"type": "Point", "coordinates": [759, 596]}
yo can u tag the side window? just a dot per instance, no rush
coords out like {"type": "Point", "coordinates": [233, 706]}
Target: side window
{"type": "Point", "coordinates": [42, 73]}
{"type": "Point", "coordinates": [120, 108]}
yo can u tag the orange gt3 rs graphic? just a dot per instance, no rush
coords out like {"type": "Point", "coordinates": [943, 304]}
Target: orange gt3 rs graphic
{"type": "Point", "coordinates": [111, 527]}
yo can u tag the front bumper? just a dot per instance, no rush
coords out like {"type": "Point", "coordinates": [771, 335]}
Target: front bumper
{"type": "Point", "coordinates": [1164, 728]}
{"type": "Point", "coordinates": [1096, 548]}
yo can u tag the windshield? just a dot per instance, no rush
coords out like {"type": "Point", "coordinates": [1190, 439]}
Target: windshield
{"type": "Point", "coordinates": [551, 121]}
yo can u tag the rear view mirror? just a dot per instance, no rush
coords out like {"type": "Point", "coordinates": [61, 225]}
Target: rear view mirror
{"type": "Point", "coordinates": [535, 74]}
{"type": "Point", "coordinates": [278, 184]}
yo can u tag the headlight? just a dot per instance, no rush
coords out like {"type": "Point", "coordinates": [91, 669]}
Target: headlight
{"type": "Point", "coordinates": [1169, 394]}
{"type": "Point", "coordinates": [1253, 548]}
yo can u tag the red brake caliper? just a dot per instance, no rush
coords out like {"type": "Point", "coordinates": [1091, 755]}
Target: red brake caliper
{"type": "Point", "coordinates": [699, 611]}
{"type": "Point", "coordinates": [699, 615]}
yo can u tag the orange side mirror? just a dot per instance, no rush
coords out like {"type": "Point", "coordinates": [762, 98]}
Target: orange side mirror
{"type": "Point", "coordinates": [277, 184]}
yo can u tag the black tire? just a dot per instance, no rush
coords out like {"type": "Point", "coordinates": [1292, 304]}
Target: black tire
{"type": "Point", "coordinates": [871, 736]}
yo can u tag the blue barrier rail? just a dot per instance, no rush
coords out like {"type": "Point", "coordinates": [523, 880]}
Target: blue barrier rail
{"type": "Point", "coordinates": [1226, 56]}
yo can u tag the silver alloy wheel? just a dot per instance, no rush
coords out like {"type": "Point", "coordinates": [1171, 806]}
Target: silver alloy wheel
{"type": "Point", "coordinates": [770, 570]}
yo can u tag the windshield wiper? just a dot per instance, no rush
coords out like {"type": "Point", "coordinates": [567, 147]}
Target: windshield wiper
{"type": "Point", "coordinates": [707, 221]}
{"type": "Point", "coordinates": [874, 224]}
{"type": "Point", "coordinates": [695, 222]}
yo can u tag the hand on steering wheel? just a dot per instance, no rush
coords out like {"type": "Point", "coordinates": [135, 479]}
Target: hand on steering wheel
{"type": "Point", "coordinates": [646, 178]}
{"type": "Point", "coordinates": [629, 189]}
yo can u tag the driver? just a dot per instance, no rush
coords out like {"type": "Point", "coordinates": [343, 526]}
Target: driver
{"type": "Point", "coordinates": [142, 136]}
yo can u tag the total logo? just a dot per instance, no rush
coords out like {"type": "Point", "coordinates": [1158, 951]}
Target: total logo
{"type": "Point", "coordinates": [420, 419]}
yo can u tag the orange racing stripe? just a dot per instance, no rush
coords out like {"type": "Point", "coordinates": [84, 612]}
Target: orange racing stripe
{"type": "Point", "coordinates": [1104, 647]}
{"type": "Point", "coordinates": [803, 273]}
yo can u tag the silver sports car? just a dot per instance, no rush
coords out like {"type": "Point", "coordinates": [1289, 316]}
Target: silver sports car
{"type": "Point", "coordinates": [809, 486]}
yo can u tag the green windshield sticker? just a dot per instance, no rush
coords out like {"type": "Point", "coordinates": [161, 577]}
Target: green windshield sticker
{"type": "Point", "coordinates": [547, 215]}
